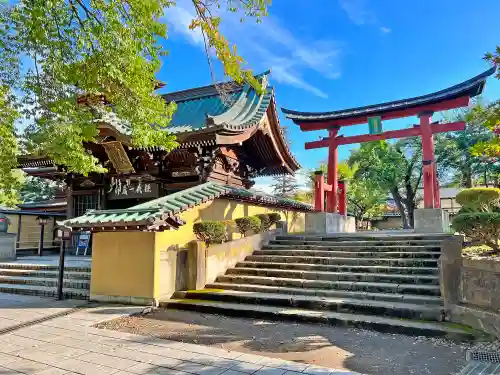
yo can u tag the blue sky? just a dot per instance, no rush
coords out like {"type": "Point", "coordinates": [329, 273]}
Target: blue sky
{"type": "Point", "coordinates": [333, 54]}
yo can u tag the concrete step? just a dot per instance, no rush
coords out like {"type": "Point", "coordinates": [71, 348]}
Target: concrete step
{"type": "Point", "coordinates": [48, 282]}
{"type": "Point", "coordinates": [380, 261]}
{"type": "Point", "coordinates": [334, 276]}
{"type": "Point", "coordinates": [43, 291]}
{"type": "Point", "coordinates": [340, 268]}
{"type": "Point", "coordinates": [431, 290]}
{"type": "Point", "coordinates": [391, 297]}
{"type": "Point", "coordinates": [373, 243]}
{"type": "Point", "coordinates": [350, 254]}
{"type": "Point", "coordinates": [42, 273]}
{"type": "Point", "coordinates": [41, 267]}
{"type": "Point", "coordinates": [367, 307]}
{"type": "Point", "coordinates": [385, 237]}
{"type": "Point", "coordinates": [383, 324]}
{"type": "Point", "coordinates": [339, 246]}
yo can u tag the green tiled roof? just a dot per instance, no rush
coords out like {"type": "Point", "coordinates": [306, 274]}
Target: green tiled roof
{"type": "Point", "coordinates": [162, 213]}
{"type": "Point", "coordinates": [228, 105]}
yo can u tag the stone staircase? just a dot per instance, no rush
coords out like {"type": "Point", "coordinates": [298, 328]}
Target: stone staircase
{"type": "Point", "coordinates": [41, 280]}
{"type": "Point", "coordinates": [387, 282]}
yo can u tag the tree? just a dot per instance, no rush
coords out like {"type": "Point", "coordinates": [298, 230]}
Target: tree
{"type": "Point", "coordinates": [453, 150]}
{"type": "Point", "coordinates": [36, 189]}
{"type": "Point", "coordinates": [394, 167]}
{"type": "Point", "coordinates": [365, 200]}
{"type": "Point", "coordinates": [489, 116]}
{"type": "Point", "coordinates": [88, 60]}
{"type": "Point", "coordinates": [285, 186]}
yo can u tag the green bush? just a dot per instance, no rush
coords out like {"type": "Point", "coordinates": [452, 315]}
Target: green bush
{"type": "Point", "coordinates": [248, 224]}
{"type": "Point", "coordinates": [274, 217]}
{"type": "Point", "coordinates": [210, 231]}
{"type": "Point", "coordinates": [479, 199]}
{"type": "Point", "coordinates": [483, 227]}
{"type": "Point", "coordinates": [265, 222]}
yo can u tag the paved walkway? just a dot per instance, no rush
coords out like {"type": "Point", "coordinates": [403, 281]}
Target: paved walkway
{"type": "Point", "coordinates": [42, 336]}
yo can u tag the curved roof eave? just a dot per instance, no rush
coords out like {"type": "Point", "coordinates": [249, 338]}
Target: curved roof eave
{"type": "Point", "coordinates": [471, 88]}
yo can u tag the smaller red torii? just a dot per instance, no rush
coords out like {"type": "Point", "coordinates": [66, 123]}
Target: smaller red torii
{"type": "Point", "coordinates": [423, 106]}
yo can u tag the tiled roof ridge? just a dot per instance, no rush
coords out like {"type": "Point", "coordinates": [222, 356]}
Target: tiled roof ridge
{"type": "Point", "coordinates": [162, 213]}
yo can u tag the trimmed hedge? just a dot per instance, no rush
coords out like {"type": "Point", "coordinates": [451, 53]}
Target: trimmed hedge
{"type": "Point", "coordinates": [481, 226]}
{"type": "Point", "coordinates": [248, 224]}
{"type": "Point", "coordinates": [479, 199]}
{"type": "Point", "coordinates": [274, 217]}
{"type": "Point", "coordinates": [210, 231]}
{"type": "Point", "coordinates": [265, 222]}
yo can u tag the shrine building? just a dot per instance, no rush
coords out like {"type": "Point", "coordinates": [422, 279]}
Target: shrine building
{"type": "Point", "coordinates": [227, 133]}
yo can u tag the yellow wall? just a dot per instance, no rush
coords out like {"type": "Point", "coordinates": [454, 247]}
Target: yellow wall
{"type": "Point", "coordinates": [222, 209]}
{"type": "Point", "coordinates": [30, 231]}
{"type": "Point", "coordinates": [153, 265]}
{"type": "Point", "coordinates": [123, 264]}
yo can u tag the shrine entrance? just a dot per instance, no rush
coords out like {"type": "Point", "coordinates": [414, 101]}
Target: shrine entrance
{"type": "Point", "coordinates": [423, 106]}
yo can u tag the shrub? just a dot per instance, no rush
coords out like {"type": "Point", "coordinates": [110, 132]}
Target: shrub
{"type": "Point", "coordinates": [210, 231]}
{"type": "Point", "coordinates": [479, 199]}
{"type": "Point", "coordinates": [481, 226]}
{"type": "Point", "coordinates": [265, 222]}
{"type": "Point", "coordinates": [247, 224]}
{"type": "Point", "coordinates": [274, 217]}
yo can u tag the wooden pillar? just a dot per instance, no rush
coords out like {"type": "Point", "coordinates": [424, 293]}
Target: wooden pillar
{"type": "Point", "coordinates": [428, 163]}
{"type": "Point", "coordinates": [437, 194]}
{"type": "Point", "coordinates": [333, 177]}
{"type": "Point", "coordinates": [319, 191]}
{"type": "Point", "coordinates": [342, 198]}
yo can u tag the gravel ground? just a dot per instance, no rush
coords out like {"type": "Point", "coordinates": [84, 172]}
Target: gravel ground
{"type": "Point", "coordinates": [367, 352]}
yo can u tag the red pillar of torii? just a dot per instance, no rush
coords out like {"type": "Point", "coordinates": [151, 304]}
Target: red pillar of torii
{"type": "Point", "coordinates": [423, 106]}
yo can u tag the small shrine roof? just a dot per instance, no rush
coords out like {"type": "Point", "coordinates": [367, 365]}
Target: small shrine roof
{"type": "Point", "coordinates": [162, 213]}
{"type": "Point", "coordinates": [470, 88]}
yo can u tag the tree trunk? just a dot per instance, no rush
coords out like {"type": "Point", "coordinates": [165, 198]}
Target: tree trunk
{"type": "Point", "coordinates": [399, 204]}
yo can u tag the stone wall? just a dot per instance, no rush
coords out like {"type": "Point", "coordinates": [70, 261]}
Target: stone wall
{"type": "Point", "coordinates": [470, 289]}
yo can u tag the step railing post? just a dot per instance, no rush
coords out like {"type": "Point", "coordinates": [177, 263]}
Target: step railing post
{"type": "Point", "coordinates": [450, 269]}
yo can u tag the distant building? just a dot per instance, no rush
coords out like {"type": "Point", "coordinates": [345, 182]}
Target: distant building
{"type": "Point", "coordinates": [392, 218]}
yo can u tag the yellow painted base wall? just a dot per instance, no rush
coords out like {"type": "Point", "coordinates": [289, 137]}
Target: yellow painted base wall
{"type": "Point", "coordinates": [123, 265]}
{"type": "Point", "coordinates": [29, 236]}
{"type": "Point", "coordinates": [141, 265]}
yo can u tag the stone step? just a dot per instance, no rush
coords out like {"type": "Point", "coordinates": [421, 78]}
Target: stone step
{"type": "Point", "coordinates": [381, 261]}
{"type": "Point", "coordinates": [373, 243]}
{"type": "Point", "coordinates": [367, 307]}
{"type": "Point", "coordinates": [385, 237]}
{"type": "Point", "coordinates": [350, 254]}
{"type": "Point", "coordinates": [43, 291]}
{"type": "Point", "coordinates": [391, 297]}
{"type": "Point", "coordinates": [341, 268]}
{"type": "Point", "coordinates": [42, 273]}
{"type": "Point", "coordinates": [383, 324]}
{"type": "Point", "coordinates": [334, 276]}
{"type": "Point", "coordinates": [351, 248]}
{"type": "Point", "coordinates": [41, 267]}
{"type": "Point", "coordinates": [431, 290]}
{"type": "Point", "coordinates": [48, 282]}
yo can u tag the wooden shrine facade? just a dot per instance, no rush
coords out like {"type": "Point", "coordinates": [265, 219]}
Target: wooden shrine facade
{"type": "Point", "coordinates": [227, 133]}
{"type": "Point", "coordinates": [423, 106]}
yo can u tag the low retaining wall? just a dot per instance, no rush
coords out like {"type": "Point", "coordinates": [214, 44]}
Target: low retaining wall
{"type": "Point", "coordinates": [7, 246]}
{"type": "Point", "coordinates": [205, 264]}
{"type": "Point", "coordinates": [471, 289]}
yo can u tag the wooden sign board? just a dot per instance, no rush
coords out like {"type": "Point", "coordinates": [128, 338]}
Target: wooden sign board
{"type": "Point", "coordinates": [128, 189]}
{"type": "Point", "coordinates": [118, 157]}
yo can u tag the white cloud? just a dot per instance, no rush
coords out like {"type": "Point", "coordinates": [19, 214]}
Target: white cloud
{"type": "Point", "coordinates": [180, 18]}
{"type": "Point", "coordinates": [357, 11]}
{"type": "Point", "coordinates": [268, 45]}
{"type": "Point", "coordinates": [385, 30]}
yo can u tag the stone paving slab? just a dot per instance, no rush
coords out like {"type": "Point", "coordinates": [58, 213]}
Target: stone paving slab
{"type": "Point", "coordinates": [70, 344]}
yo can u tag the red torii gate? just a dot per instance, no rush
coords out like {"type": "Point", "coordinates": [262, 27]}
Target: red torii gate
{"type": "Point", "coordinates": [423, 106]}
